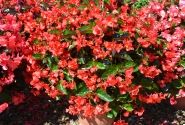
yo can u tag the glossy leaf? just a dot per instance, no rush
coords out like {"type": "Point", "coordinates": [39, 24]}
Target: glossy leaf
{"type": "Point", "coordinates": [104, 96]}
{"type": "Point", "coordinates": [128, 64]}
{"type": "Point", "coordinates": [54, 67]}
{"type": "Point", "coordinates": [68, 32]}
{"type": "Point", "coordinates": [127, 57]}
{"type": "Point", "coordinates": [112, 114]}
{"type": "Point", "coordinates": [61, 88]}
{"type": "Point", "coordinates": [124, 98]}
{"type": "Point", "coordinates": [87, 29]}
{"type": "Point", "coordinates": [140, 3]}
{"type": "Point", "coordinates": [149, 84]}
{"type": "Point", "coordinates": [68, 77]}
{"type": "Point", "coordinates": [99, 65]}
{"type": "Point", "coordinates": [81, 89]}
{"type": "Point", "coordinates": [119, 68]}
{"type": "Point", "coordinates": [128, 107]}
{"type": "Point", "coordinates": [107, 1]}
{"type": "Point", "coordinates": [111, 70]}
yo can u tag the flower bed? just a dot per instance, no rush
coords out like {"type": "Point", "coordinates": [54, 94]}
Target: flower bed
{"type": "Point", "coordinates": [108, 57]}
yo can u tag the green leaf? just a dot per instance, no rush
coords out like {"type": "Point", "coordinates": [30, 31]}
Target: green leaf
{"type": "Point", "coordinates": [103, 95]}
{"type": "Point", "coordinates": [61, 88]}
{"type": "Point", "coordinates": [54, 67]}
{"type": "Point", "coordinates": [87, 29]}
{"type": "Point", "coordinates": [182, 82]}
{"type": "Point", "coordinates": [68, 77]}
{"type": "Point", "coordinates": [140, 3]}
{"type": "Point", "coordinates": [96, 2]}
{"type": "Point", "coordinates": [44, 5]}
{"type": "Point", "coordinates": [81, 89]}
{"type": "Point", "coordinates": [82, 7]}
{"type": "Point", "coordinates": [89, 65]}
{"type": "Point", "coordinates": [124, 98]}
{"type": "Point", "coordinates": [36, 41]}
{"type": "Point", "coordinates": [55, 59]}
{"type": "Point", "coordinates": [37, 56]}
{"type": "Point", "coordinates": [68, 32]}
{"type": "Point", "coordinates": [178, 83]}
{"type": "Point", "coordinates": [127, 57]}
{"type": "Point", "coordinates": [99, 65]}
{"type": "Point", "coordinates": [128, 64]}
{"type": "Point", "coordinates": [128, 107]}
{"type": "Point", "coordinates": [71, 46]}
{"type": "Point", "coordinates": [54, 31]}
{"type": "Point", "coordinates": [126, 1]}
{"type": "Point", "coordinates": [50, 61]}
{"type": "Point", "coordinates": [107, 1]}
{"type": "Point", "coordinates": [120, 21]}
{"type": "Point", "coordinates": [111, 70]}
{"type": "Point", "coordinates": [86, 1]}
{"type": "Point", "coordinates": [115, 109]}
{"type": "Point", "coordinates": [81, 60]}
{"type": "Point", "coordinates": [112, 114]}
{"type": "Point", "coordinates": [119, 68]}
{"type": "Point", "coordinates": [136, 68]}
{"type": "Point", "coordinates": [182, 63]}
{"type": "Point", "coordinates": [149, 84]}
{"type": "Point", "coordinates": [58, 98]}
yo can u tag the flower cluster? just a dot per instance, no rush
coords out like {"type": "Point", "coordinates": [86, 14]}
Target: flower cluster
{"type": "Point", "coordinates": [106, 56]}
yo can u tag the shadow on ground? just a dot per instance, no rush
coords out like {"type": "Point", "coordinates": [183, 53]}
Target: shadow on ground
{"type": "Point", "coordinates": [37, 111]}
{"type": "Point", "coordinates": [42, 110]}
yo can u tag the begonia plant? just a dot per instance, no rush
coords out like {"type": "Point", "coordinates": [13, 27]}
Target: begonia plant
{"type": "Point", "coordinates": [107, 56]}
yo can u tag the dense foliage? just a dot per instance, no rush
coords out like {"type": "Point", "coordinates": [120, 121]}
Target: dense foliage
{"type": "Point", "coordinates": [107, 57]}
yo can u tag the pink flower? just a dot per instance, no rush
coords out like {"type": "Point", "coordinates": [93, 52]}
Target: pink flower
{"type": "Point", "coordinates": [173, 101]}
{"type": "Point", "coordinates": [97, 31]}
{"type": "Point", "coordinates": [3, 107]}
{"type": "Point", "coordinates": [173, 11]}
{"type": "Point", "coordinates": [181, 3]}
{"type": "Point", "coordinates": [120, 122]}
{"type": "Point", "coordinates": [140, 111]}
{"type": "Point", "coordinates": [73, 65]}
{"type": "Point", "coordinates": [145, 43]}
{"type": "Point", "coordinates": [182, 12]}
{"type": "Point", "coordinates": [149, 71]}
{"type": "Point", "coordinates": [181, 93]}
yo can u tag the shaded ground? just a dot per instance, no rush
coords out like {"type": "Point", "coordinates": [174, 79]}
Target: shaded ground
{"type": "Point", "coordinates": [159, 114]}
{"type": "Point", "coordinates": [37, 111]}
{"type": "Point", "coordinates": [43, 111]}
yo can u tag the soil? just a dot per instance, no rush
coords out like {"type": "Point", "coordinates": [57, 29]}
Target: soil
{"type": "Point", "coordinates": [44, 111]}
